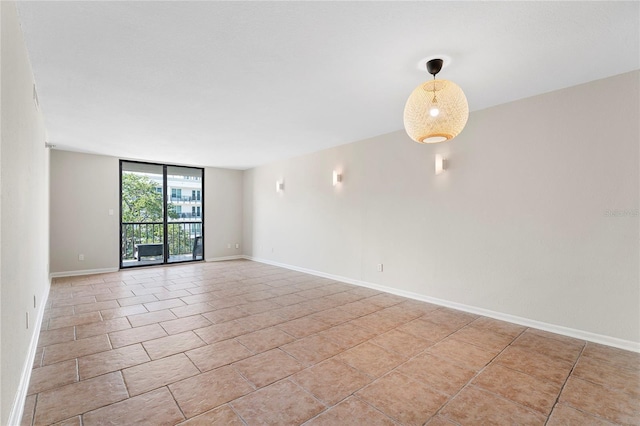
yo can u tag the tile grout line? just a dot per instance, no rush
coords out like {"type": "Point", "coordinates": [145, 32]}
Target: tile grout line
{"type": "Point", "coordinates": [176, 401]}
{"type": "Point", "coordinates": [555, 404]}
{"type": "Point", "coordinates": [33, 414]}
{"type": "Point", "coordinates": [232, 408]}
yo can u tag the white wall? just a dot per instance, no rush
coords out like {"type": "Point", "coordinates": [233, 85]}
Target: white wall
{"type": "Point", "coordinates": [536, 217]}
{"type": "Point", "coordinates": [23, 218]}
{"type": "Point", "coordinates": [84, 187]}
{"type": "Point", "coordinates": [223, 213]}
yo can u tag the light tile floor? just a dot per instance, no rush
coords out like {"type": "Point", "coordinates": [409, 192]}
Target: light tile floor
{"type": "Point", "coordinates": [241, 342]}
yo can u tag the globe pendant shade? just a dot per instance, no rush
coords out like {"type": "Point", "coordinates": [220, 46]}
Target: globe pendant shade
{"type": "Point", "coordinates": [436, 111]}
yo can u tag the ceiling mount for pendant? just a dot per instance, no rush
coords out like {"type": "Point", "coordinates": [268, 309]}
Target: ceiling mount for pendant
{"type": "Point", "coordinates": [437, 110]}
{"type": "Point", "coordinates": [434, 66]}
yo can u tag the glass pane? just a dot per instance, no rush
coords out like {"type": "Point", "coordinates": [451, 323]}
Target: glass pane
{"type": "Point", "coordinates": [142, 214]}
{"type": "Point", "coordinates": [184, 213]}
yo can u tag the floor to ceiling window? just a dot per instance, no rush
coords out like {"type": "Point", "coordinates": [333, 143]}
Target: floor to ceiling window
{"type": "Point", "coordinates": [161, 214]}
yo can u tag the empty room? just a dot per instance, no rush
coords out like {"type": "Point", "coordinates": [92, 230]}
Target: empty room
{"type": "Point", "coordinates": [319, 213]}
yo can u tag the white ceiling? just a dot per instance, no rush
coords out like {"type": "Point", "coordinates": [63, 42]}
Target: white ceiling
{"type": "Point", "coordinates": [238, 84]}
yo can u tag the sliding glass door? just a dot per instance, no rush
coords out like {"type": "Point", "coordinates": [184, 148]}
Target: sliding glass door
{"type": "Point", "coordinates": [161, 214]}
{"type": "Point", "coordinates": [142, 213]}
{"type": "Point", "coordinates": [184, 213]}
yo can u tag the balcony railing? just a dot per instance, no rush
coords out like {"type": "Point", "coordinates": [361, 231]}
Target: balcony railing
{"type": "Point", "coordinates": [187, 215]}
{"type": "Point", "coordinates": [184, 199]}
{"type": "Point", "coordinates": [181, 237]}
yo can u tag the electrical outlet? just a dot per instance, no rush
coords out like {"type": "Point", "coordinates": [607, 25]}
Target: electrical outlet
{"type": "Point", "coordinates": [27, 317]}
{"type": "Point", "coordinates": [229, 245]}
{"type": "Point", "coordinates": [380, 267]}
{"type": "Point", "coordinates": [81, 257]}
{"type": "Point", "coordinates": [34, 300]}
{"type": "Point", "coordinates": [237, 245]}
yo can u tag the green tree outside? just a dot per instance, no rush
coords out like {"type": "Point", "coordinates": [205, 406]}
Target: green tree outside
{"type": "Point", "coordinates": [140, 200]}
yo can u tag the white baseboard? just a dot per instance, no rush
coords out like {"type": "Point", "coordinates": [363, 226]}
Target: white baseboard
{"type": "Point", "coordinates": [553, 328]}
{"type": "Point", "coordinates": [220, 259]}
{"type": "Point", "coordinates": [15, 415]}
{"type": "Point", "coordinates": [82, 272]}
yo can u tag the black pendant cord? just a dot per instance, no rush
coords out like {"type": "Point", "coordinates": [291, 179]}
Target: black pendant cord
{"type": "Point", "coordinates": [434, 100]}
{"type": "Point", "coordinates": [433, 67]}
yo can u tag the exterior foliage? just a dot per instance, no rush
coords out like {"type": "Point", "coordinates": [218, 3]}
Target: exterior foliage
{"type": "Point", "coordinates": [141, 202]}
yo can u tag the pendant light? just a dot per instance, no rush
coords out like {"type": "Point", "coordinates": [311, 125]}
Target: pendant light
{"type": "Point", "coordinates": [436, 110]}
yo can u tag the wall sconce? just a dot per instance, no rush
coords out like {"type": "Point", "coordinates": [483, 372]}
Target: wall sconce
{"type": "Point", "coordinates": [337, 178]}
{"type": "Point", "coordinates": [441, 164]}
{"type": "Point", "coordinates": [279, 186]}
